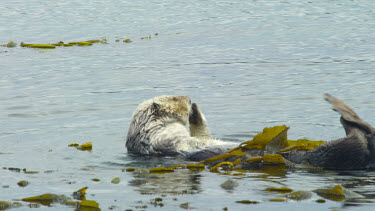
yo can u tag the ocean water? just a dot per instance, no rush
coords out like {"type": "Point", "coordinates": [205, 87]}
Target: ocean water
{"type": "Point", "coordinates": [247, 64]}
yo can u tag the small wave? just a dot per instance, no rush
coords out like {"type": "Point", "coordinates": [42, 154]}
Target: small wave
{"type": "Point", "coordinates": [20, 115]}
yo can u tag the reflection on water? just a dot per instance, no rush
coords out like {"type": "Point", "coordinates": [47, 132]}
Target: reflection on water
{"type": "Point", "coordinates": [180, 182]}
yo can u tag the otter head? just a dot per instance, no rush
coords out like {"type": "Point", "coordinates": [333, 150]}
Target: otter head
{"type": "Point", "coordinates": [174, 107]}
{"type": "Point", "coordinates": [151, 116]}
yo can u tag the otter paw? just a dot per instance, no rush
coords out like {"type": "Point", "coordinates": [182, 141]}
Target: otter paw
{"type": "Point", "coordinates": [195, 116]}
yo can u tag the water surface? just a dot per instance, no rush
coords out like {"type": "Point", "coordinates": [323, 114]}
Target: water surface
{"type": "Point", "coordinates": [247, 64]}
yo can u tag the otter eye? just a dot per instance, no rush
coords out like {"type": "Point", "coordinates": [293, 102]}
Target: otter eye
{"type": "Point", "coordinates": [155, 106]}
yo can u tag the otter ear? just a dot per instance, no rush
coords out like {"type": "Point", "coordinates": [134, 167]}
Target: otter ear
{"type": "Point", "coordinates": [155, 106]}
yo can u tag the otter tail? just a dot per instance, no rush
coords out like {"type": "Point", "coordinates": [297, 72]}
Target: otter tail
{"type": "Point", "coordinates": [349, 119]}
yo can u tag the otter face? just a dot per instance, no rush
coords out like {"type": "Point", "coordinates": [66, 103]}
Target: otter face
{"type": "Point", "coordinates": [177, 107]}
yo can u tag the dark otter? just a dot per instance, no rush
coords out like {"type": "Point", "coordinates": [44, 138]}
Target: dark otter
{"type": "Point", "coordinates": [354, 152]}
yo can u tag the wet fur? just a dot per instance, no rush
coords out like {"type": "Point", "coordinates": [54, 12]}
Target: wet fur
{"type": "Point", "coordinates": [354, 152]}
{"type": "Point", "coordinates": [159, 127]}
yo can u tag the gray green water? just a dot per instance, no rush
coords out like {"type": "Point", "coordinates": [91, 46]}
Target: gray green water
{"type": "Point", "coordinates": [247, 64]}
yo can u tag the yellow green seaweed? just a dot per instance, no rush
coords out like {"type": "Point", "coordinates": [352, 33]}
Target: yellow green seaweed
{"type": "Point", "coordinates": [115, 180]}
{"type": "Point", "coordinates": [129, 169]}
{"type": "Point", "coordinates": [278, 200]}
{"type": "Point", "coordinates": [279, 190]}
{"type": "Point", "coordinates": [261, 140]}
{"type": "Point", "coordinates": [225, 165]}
{"type": "Point", "coordinates": [46, 199]}
{"type": "Point", "coordinates": [302, 144]}
{"type": "Point", "coordinates": [89, 205]}
{"type": "Point", "coordinates": [43, 46]}
{"type": "Point", "coordinates": [161, 170]}
{"type": "Point", "coordinates": [273, 159]}
{"type": "Point", "coordinates": [22, 183]}
{"type": "Point", "coordinates": [10, 44]}
{"type": "Point", "coordinates": [193, 166]}
{"type": "Point", "coordinates": [247, 202]}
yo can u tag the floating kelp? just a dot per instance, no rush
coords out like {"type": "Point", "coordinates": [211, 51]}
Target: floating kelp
{"type": "Point", "coordinates": [302, 144]}
{"type": "Point", "coordinates": [261, 140]}
{"type": "Point", "coordinates": [278, 200]}
{"type": "Point", "coordinates": [260, 153]}
{"type": "Point", "coordinates": [157, 202]}
{"type": "Point", "coordinates": [46, 199]}
{"type": "Point", "coordinates": [31, 172]}
{"type": "Point", "coordinates": [44, 46]}
{"type": "Point", "coordinates": [158, 199]}
{"type": "Point", "coordinates": [266, 161]}
{"type": "Point", "coordinates": [178, 166]}
{"type": "Point", "coordinates": [88, 205]}
{"type": "Point", "coordinates": [9, 45]}
{"type": "Point", "coordinates": [23, 183]}
{"type": "Point", "coordinates": [161, 170]}
{"type": "Point", "coordinates": [80, 194]}
{"type": "Point", "coordinates": [185, 205]}
{"type": "Point", "coordinates": [84, 147]}
{"type": "Point", "coordinates": [273, 159]}
{"type": "Point", "coordinates": [61, 43]}
{"type": "Point", "coordinates": [226, 166]}
{"type": "Point", "coordinates": [195, 166]}
{"type": "Point", "coordinates": [115, 180]}
{"type": "Point", "coordinates": [24, 44]}
{"type": "Point", "coordinates": [93, 41]}
{"type": "Point", "coordinates": [320, 201]}
{"type": "Point", "coordinates": [247, 202]}
{"type": "Point", "coordinates": [271, 140]}
{"type": "Point", "coordinates": [129, 169]}
{"type": "Point", "coordinates": [279, 190]}
{"type": "Point", "coordinates": [256, 159]}
{"type": "Point", "coordinates": [271, 147]}
{"type": "Point", "coordinates": [81, 43]}
{"type": "Point", "coordinates": [14, 169]}
{"type": "Point", "coordinates": [73, 145]}
{"type": "Point", "coordinates": [233, 155]}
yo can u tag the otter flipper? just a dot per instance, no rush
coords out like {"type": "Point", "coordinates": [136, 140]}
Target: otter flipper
{"type": "Point", "coordinates": [198, 124]}
{"type": "Point", "coordinates": [354, 152]}
{"type": "Point", "coordinates": [349, 119]}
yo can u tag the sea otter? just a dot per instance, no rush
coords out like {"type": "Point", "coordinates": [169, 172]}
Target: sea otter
{"type": "Point", "coordinates": [354, 152]}
{"type": "Point", "coordinates": [159, 127]}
